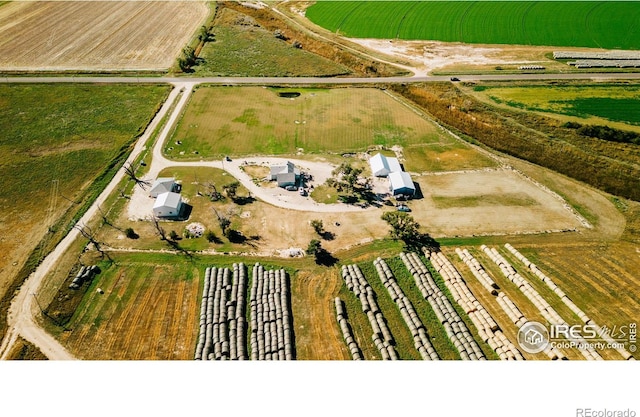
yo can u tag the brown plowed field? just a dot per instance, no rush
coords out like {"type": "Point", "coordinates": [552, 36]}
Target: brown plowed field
{"type": "Point", "coordinates": [146, 312]}
{"type": "Point", "coordinates": [56, 36]}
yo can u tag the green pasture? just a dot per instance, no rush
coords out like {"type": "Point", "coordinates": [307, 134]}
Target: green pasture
{"type": "Point", "coordinates": [605, 24]}
{"type": "Point", "coordinates": [257, 121]}
{"type": "Point", "coordinates": [68, 134]}
{"type": "Point", "coordinates": [452, 156]}
{"type": "Point", "coordinates": [620, 103]}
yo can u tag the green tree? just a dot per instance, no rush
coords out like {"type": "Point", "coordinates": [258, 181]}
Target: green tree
{"type": "Point", "coordinates": [403, 226]}
{"type": "Point", "coordinates": [318, 226]}
{"type": "Point", "coordinates": [231, 189]}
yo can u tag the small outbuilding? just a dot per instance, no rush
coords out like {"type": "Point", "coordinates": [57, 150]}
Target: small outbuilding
{"type": "Point", "coordinates": [401, 183]}
{"type": "Point", "coordinates": [382, 166]}
{"type": "Point", "coordinates": [163, 185]}
{"type": "Point", "coordinates": [285, 174]}
{"type": "Point", "coordinates": [167, 204]}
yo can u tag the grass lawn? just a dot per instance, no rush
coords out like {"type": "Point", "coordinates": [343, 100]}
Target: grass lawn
{"type": "Point", "coordinates": [252, 120]}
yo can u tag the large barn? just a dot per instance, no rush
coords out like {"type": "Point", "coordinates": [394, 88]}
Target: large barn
{"type": "Point", "coordinates": [167, 205]}
{"type": "Point", "coordinates": [381, 165]}
{"type": "Point", "coordinates": [401, 183]}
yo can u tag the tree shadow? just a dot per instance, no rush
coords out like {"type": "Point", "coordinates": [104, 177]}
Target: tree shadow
{"type": "Point", "coordinates": [324, 258]}
{"type": "Point", "coordinates": [327, 235]}
{"type": "Point", "coordinates": [242, 201]}
{"type": "Point", "coordinates": [423, 240]}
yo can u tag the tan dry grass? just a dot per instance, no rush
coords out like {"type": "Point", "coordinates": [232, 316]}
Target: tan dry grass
{"type": "Point", "coordinates": [58, 36]}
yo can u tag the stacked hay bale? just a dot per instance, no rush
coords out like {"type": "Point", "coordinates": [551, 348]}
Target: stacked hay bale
{"type": "Point", "coordinates": [222, 315]}
{"type": "Point", "coordinates": [347, 334]}
{"type": "Point", "coordinates": [566, 300]}
{"type": "Point", "coordinates": [382, 337]}
{"type": "Point", "coordinates": [417, 329]}
{"type": "Point", "coordinates": [455, 328]}
{"type": "Point", "coordinates": [488, 328]}
{"type": "Point", "coordinates": [85, 274]}
{"type": "Point", "coordinates": [271, 330]}
{"type": "Point", "coordinates": [548, 312]}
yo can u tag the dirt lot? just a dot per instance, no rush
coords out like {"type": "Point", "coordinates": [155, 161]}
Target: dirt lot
{"type": "Point", "coordinates": [79, 35]}
{"type": "Point", "coordinates": [487, 202]}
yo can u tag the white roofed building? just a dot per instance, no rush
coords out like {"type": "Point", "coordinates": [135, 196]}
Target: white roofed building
{"type": "Point", "coordinates": [285, 174]}
{"type": "Point", "coordinates": [401, 183]}
{"type": "Point", "coordinates": [167, 204]}
{"type": "Point", "coordinates": [381, 165]}
{"type": "Point", "coordinates": [162, 185]}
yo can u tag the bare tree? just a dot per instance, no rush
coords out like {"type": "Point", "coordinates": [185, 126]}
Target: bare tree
{"type": "Point", "coordinates": [212, 192]}
{"type": "Point", "coordinates": [159, 229]}
{"type": "Point", "coordinates": [223, 221]}
{"type": "Point", "coordinates": [90, 235]}
{"type": "Point", "coordinates": [105, 219]}
{"type": "Point", "coordinates": [130, 170]}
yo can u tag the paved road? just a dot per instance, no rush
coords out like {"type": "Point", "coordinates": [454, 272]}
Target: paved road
{"type": "Point", "coordinates": [328, 81]}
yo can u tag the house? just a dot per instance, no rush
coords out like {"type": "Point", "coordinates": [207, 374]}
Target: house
{"type": "Point", "coordinates": [381, 165]}
{"type": "Point", "coordinates": [401, 183]}
{"type": "Point", "coordinates": [162, 185]}
{"type": "Point", "coordinates": [167, 204]}
{"type": "Point", "coordinates": [285, 174]}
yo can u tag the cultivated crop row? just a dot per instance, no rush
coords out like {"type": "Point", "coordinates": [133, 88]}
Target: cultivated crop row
{"type": "Point", "coordinates": [271, 331]}
{"type": "Point", "coordinates": [565, 299]}
{"type": "Point", "coordinates": [347, 334]}
{"type": "Point", "coordinates": [488, 328]}
{"type": "Point", "coordinates": [455, 328]}
{"type": "Point", "coordinates": [222, 315]}
{"type": "Point", "coordinates": [548, 312]}
{"type": "Point", "coordinates": [382, 337]}
{"type": "Point", "coordinates": [417, 329]}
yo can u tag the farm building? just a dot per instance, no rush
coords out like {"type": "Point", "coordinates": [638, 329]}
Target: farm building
{"type": "Point", "coordinates": [381, 165]}
{"type": "Point", "coordinates": [167, 204]}
{"type": "Point", "coordinates": [401, 183]}
{"type": "Point", "coordinates": [162, 185]}
{"type": "Point", "coordinates": [285, 174]}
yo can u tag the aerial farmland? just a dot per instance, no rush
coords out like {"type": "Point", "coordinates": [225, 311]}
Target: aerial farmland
{"type": "Point", "coordinates": [320, 181]}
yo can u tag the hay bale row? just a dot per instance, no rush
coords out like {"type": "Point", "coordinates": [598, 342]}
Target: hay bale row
{"type": "Point", "coordinates": [271, 330]}
{"type": "Point", "coordinates": [418, 331]}
{"type": "Point", "coordinates": [478, 271]}
{"type": "Point", "coordinates": [548, 312]}
{"type": "Point", "coordinates": [565, 299]}
{"type": "Point", "coordinates": [222, 315]}
{"type": "Point", "coordinates": [488, 329]}
{"type": "Point", "coordinates": [347, 333]}
{"type": "Point", "coordinates": [381, 336]}
{"type": "Point", "coordinates": [85, 274]}
{"type": "Point", "coordinates": [456, 329]}
{"type": "Point", "coordinates": [512, 311]}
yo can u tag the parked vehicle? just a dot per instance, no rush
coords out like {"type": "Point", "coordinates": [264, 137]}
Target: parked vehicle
{"type": "Point", "coordinates": [404, 208]}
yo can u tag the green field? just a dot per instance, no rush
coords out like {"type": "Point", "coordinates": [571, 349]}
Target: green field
{"type": "Point", "coordinates": [252, 120]}
{"type": "Point", "coordinates": [619, 103]}
{"type": "Point", "coordinates": [604, 24]}
{"type": "Point", "coordinates": [60, 145]}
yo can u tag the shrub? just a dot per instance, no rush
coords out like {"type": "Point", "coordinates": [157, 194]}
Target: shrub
{"type": "Point", "coordinates": [130, 233]}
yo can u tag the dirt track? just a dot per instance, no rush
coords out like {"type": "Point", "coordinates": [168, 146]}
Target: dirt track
{"type": "Point", "coordinates": [110, 35]}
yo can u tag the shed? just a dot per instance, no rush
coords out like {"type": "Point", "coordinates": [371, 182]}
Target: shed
{"type": "Point", "coordinates": [401, 183]}
{"type": "Point", "coordinates": [285, 174]}
{"type": "Point", "coordinates": [167, 205]}
{"type": "Point", "coordinates": [162, 185]}
{"type": "Point", "coordinates": [381, 165]}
